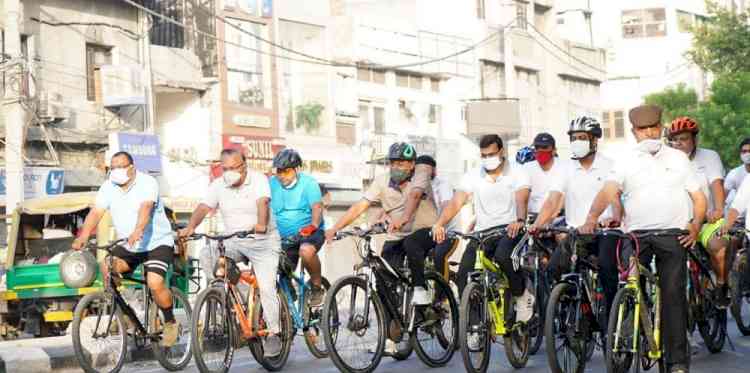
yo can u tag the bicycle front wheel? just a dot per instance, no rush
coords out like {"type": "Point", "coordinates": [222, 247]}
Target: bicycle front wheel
{"type": "Point", "coordinates": [100, 336]}
{"type": "Point", "coordinates": [439, 324]}
{"type": "Point", "coordinates": [286, 334]}
{"type": "Point", "coordinates": [564, 344]}
{"type": "Point", "coordinates": [212, 332]}
{"type": "Point", "coordinates": [475, 329]}
{"type": "Point", "coordinates": [177, 356]}
{"type": "Point", "coordinates": [623, 346]}
{"type": "Point", "coordinates": [353, 326]}
{"type": "Point", "coordinates": [517, 338]}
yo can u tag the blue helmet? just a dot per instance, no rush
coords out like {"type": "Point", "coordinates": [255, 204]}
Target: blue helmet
{"type": "Point", "coordinates": [525, 154]}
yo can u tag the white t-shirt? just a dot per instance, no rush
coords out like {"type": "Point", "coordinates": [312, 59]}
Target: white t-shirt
{"type": "Point", "coordinates": [655, 188]}
{"type": "Point", "coordinates": [580, 187]}
{"type": "Point", "coordinates": [540, 181]}
{"type": "Point", "coordinates": [741, 201]}
{"type": "Point", "coordinates": [442, 191]}
{"type": "Point", "coordinates": [733, 181]}
{"type": "Point", "coordinates": [494, 201]}
{"type": "Point", "coordinates": [238, 206]}
{"type": "Point", "coordinates": [708, 167]}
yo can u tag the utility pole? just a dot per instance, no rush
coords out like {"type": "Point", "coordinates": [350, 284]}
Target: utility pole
{"type": "Point", "coordinates": [145, 41]}
{"type": "Point", "coordinates": [14, 116]}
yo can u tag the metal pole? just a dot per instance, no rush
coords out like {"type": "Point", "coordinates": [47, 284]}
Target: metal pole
{"type": "Point", "coordinates": [14, 116]}
{"type": "Point", "coordinates": [150, 114]}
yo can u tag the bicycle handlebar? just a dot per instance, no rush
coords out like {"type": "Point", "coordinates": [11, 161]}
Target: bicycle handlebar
{"type": "Point", "coordinates": [108, 247]}
{"type": "Point", "coordinates": [361, 233]}
{"type": "Point", "coordinates": [480, 235]}
{"type": "Point", "coordinates": [222, 237]}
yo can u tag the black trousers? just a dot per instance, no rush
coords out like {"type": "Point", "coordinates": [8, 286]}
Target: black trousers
{"type": "Point", "coordinates": [443, 252]}
{"type": "Point", "coordinates": [414, 246]}
{"type": "Point", "coordinates": [605, 248]}
{"type": "Point", "coordinates": [671, 257]}
{"type": "Point", "coordinates": [500, 249]}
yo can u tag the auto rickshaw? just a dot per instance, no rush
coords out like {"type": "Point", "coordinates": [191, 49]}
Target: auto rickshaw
{"type": "Point", "coordinates": [36, 301]}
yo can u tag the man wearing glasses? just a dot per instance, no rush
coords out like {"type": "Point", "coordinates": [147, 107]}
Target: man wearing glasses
{"type": "Point", "coordinates": [242, 197]}
{"type": "Point", "coordinates": [297, 206]}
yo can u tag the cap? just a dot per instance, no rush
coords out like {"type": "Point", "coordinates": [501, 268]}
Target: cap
{"type": "Point", "coordinates": [426, 159]}
{"type": "Point", "coordinates": [645, 116]}
{"type": "Point", "coordinates": [544, 139]}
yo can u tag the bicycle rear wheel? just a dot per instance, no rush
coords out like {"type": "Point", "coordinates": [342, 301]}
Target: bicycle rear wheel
{"type": "Point", "coordinates": [565, 345]}
{"type": "Point", "coordinates": [177, 356]}
{"type": "Point", "coordinates": [100, 337]}
{"type": "Point", "coordinates": [516, 339]}
{"type": "Point", "coordinates": [536, 324]}
{"type": "Point", "coordinates": [475, 329]}
{"type": "Point", "coordinates": [213, 332]}
{"type": "Point", "coordinates": [622, 351]}
{"type": "Point", "coordinates": [286, 333]}
{"type": "Point", "coordinates": [740, 285]}
{"type": "Point", "coordinates": [355, 342]}
{"type": "Point", "coordinates": [439, 323]}
{"type": "Point", "coordinates": [311, 319]}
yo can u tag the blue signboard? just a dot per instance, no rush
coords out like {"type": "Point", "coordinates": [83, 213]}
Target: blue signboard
{"type": "Point", "coordinates": [38, 182]}
{"type": "Point", "coordinates": [144, 149]}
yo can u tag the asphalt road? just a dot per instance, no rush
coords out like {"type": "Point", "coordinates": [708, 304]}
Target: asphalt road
{"type": "Point", "coordinates": [300, 360]}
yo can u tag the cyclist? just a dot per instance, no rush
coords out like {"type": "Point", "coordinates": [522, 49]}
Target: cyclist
{"type": "Point", "coordinates": [242, 197]}
{"type": "Point", "coordinates": [541, 174]}
{"type": "Point", "coordinates": [298, 210]}
{"type": "Point", "coordinates": [495, 189]}
{"type": "Point", "coordinates": [683, 135]}
{"type": "Point", "coordinates": [391, 191]}
{"type": "Point", "coordinates": [735, 177]}
{"type": "Point", "coordinates": [576, 189]}
{"type": "Point", "coordinates": [132, 198]}
{"type": "Point", "coordinates": [655, 182]}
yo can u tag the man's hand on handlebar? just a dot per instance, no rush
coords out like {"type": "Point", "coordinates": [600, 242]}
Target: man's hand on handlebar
{"type": "Point", "coordinates": [588, 228]}
{"type": "Point", "coordinates": [514, 229]}
{"type": "Point", "coordinates": [186, 232]}
{"type": "Point", "coordinates": [80, 243]}
{"type": "Point", "coordinates": [330, 234]}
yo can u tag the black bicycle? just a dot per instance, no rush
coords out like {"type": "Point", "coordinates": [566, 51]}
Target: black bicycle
{"type": "Point", "coordinates": [704, 312]}
{"type": "Point", "coordinates": [103, 321]}
{"type": "Point", "coordinates": [362, 310]}
{"type": "Point", "coordinates": [739, 281]}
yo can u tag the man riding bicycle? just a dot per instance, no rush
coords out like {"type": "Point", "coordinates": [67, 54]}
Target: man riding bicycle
{"type": "Point", "coordinates": [242, 197]}
{"type": "Point", "coordinates": [683, 135]}
{"type": "Point", "coordinates": [736, 176]}
{"type": "Point", "coordinates": [495, 189]}
{"type": "Point", "coordinates": [132, 198]}
{"type": "Point", "coordinates": [575, 189]}
{"type": "Point", "coordinates": [654, 182]}
{"type": "Point", "coordinates": [298, 210]}
{"type": "Point", "coordinates": [409, 234]}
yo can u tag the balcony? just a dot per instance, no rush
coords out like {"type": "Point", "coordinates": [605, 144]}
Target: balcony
{"type": "Point", "coordinates": [590, 62]}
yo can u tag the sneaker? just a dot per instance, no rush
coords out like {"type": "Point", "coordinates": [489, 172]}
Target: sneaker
{"type": "Point", "coordinates": [389, 350]}
{"type": "Point", "coordinates": [472, 341]}
{"type": "Point", "coordinates": [421, 296]}
{"type": "Point", "coordinates": [317, 293]}
{"type": "Point", "coordinates": [272, 346]}
{"type": "Point", "coordinates": [169, 334]}
{"type": "Point", "coordinates": [525, 306]}
{"type": "Point", "coordinates": [678, 369]}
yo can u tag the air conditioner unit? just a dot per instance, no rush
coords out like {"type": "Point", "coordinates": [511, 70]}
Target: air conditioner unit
{"type": "Point", "coordinates": [51, 107]}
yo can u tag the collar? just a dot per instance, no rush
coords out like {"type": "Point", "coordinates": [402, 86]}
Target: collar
{"type": "Point", "coordinates": [594, 165]}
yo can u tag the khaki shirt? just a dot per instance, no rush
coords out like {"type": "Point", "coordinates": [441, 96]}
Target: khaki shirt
{"type": "Point", "coordinates": [393, 199]}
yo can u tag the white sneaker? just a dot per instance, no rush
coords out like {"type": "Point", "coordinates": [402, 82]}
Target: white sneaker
{"type": "Point", "coordinates": [525, 306]}
{"type": "Point", "coordinates": [390, 347]}
{"type": "Point", "coordinates": [472, 341]}
{"type": "Point", "coordinates": [421, 297]}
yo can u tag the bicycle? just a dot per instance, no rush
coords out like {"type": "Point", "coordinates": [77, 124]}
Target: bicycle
{"type": "Point", "coordinates": [739, 282]}
{"type": "Point", "coordinates": [637, 305]}
{"type": "Point", "coordinates": [374, 303]}
{"type": "Point", "coordinates": [486, 310]}
{"type": "Point", "coordinates": [225, 320]}
{"type": "Point", "coordinates": [100, 331]}
{"type": "Point", "coordinates": [575, 315]}
{"type": "Point", "coordinates": [537, 257]}
{"type": "Point", "coordinates": [703, 291]}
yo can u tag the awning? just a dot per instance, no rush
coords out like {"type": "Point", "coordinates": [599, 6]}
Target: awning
{"type": "Point", "coordinates": [65, 203]}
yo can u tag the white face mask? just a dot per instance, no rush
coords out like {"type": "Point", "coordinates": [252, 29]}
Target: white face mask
{"type": "Point", "coordinates": [119, 176]}
{"type": "Point", "coordinates": [231, 178]}
{"type": "Point", "coordinates": [651, 146]}
{"type": "Point", "coordinates": [579, 149]}
{"type": "Point", "coordinates": [492, 163]}
{"type": "Point", "coordinates": [745, 158]}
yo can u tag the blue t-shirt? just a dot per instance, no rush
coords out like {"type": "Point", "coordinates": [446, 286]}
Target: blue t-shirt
{"type": "Point", "coordinates": [292, 207]}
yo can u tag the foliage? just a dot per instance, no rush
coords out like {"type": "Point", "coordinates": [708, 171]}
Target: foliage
{"type": "Point", "coordinates": [675, 101]}
{"type": "Point", "coordinates": [308, 116]}
{"type": "Point", "coordinates": [722, 44]}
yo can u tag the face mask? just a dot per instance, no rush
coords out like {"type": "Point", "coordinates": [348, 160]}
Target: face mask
{"type": "Point", "coordinates": [745, 158]}
{"type": "Point", "coordinates": [543, 157]}
{"type": "Point", "coordinates": [579, 149]}
{"type": "Point", "coordinates": [231, 178]}
{"type": "Point", "coordinates": [651, 146]}
{"type": "Point", "coordinates": [291, 184]}
{"type": "Point", "coordinates": [491, 163]}
{"type": "Point", "coordinates": [398, 175]}
{"type": "Point", "coordinates": [119, 176]}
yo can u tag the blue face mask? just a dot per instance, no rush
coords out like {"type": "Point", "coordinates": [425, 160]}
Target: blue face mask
{"type": "Point", "coordinates": [290, 185]}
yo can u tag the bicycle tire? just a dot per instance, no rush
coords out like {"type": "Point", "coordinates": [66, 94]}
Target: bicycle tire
{"type": "Point", "coordinates": [552, 334]}
{"type": "Point", "coordinates": [536, 330]}
{"type": "Point", "coordinates": [516, 340]}
{"type": "Point", "coordinates": [160, 352]}
{"type": "Point", "coordinates": [80, 316]}
{"type": "Point", "coordinates": [313, 333]}
{"type": "Point", "coordinates": [276, 363]}
{"type": "Point", "coordinates": [216, 299]}
{"type": "Point", "coordinates": [713, 330]}
{"type": "Point", "coordinates": [473, 295]}
{"type": "Point", "coordinates": [740, 303]}
{"type": "Point", "coordinates": [440, 289]}
{"type": "Point", "coordinates": [331, 332]}
{"type": "Point", "coordinates": [626, 298]}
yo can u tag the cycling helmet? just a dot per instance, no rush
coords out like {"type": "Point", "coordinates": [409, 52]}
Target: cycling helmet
{"type": "Point", "coordinates": [525, 154]}
{"type": "Point", "coordinates": [287, 158]}
{"type": "Point", "coordinates": [683, 124]}
{"type": "Point", "coordinates": [401, 151]}
{"type": "Point", "coordinates": [586, 124]}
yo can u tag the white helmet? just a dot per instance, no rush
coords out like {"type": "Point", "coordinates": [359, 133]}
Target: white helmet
{"type": "Point", "coordinates": [586, 124]}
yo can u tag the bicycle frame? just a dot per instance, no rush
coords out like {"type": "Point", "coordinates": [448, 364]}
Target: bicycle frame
{"type": "Point", "coordinates": [484, 266]}
{"type": "Point", "coordinates": [295, 301]}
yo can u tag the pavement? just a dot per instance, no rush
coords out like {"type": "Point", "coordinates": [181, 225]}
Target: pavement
{"type": "Point", "coordinates": [56, 355]}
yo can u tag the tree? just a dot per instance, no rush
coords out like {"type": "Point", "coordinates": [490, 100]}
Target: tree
{"type": "Point", "coordinates": [722, 43]}
{"type": "Point", "coordinates": [724, 119]}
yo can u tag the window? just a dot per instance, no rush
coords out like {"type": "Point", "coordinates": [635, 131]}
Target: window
{"type": "Point", "coordinates": [684, 21]}
{"type": "Point", "coordinates": [407, 80]}
{"type": "Point", "coordinates": [370, 75]}
{"type": "Point", "coordinates": [402, 80]}
{"type": "Point", "coordinates": [493, 79]}
{"type": "Point", "coordinates": [248, 82]}
{"type": "Point", "coordinates": [521, 14]}
{"type": "Point", "coordinates": [258, 8]}
{"type": "Point", "coordinates": [606, 130]}
{"type": "Point", "coordinates": [639, 23]}
{"type": "Point", "coordinates": [364, 116]}
{"type": "Point", "coordinates": [163, 32]}
{"type": "Point", "coordinates": [434, 114]}
{"type": "Point", "coordinates": [96, 57]}
{"type": "Point", "coordinates": [415, 82]}
{"type": "Point", "coordinates": [379, 119]}
{"type": "Point", "coordinates": [619, 124]}
{"type": "Point", "coordinates": [480, 9]}
{"type": "Point", "coordinates": [435, 84]}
